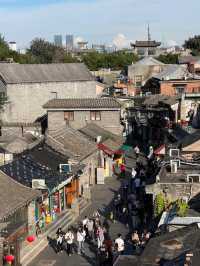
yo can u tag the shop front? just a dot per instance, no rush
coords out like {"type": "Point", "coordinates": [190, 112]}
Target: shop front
{"type": "Point", "coordinates": [112, 155]}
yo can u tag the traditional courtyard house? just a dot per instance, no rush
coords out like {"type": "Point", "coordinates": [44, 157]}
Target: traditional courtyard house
{"type": "Point", "coordinates": [152, 120]}
{"type": "Point", "coordinates": [177, 80]}
{"type": "Point", "coordinates": [180, 247]}
{"type": "Point", "coordinates": [177, 179]}
{"type": "Point", "coordinates": [80, 150]}
{"type": "Point", "coordinates": [173, 80]}
{"type": "Point", "coordinates": [29, 86]}
{"type": "Point", "coordinates": [17, 203]}
{"type": "Point", "coordinates": [193, 63]}
{"type": "Point", "coordinates": [144, 69]}
{"type": "Point", "coordinates": [109, 145]}
{"type": "Point", "coordinates": [45, 170]}
{"type": "Point", "coordinates": [77, 113]}
{"type": "Point", "coordinates": [190, 145]}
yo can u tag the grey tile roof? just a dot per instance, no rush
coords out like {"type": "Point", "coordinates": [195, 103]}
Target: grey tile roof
{"type": "Point", "coordinates": [92, 131]}
{"type": "Point", "coordinates": [155, 99]}
{"type": "Point", "coordinates": [190, 139]}
{"type": "Point", "coordinates": [86, 103]}
{"type": "Point", "coordinates": [33, 73]}
{"type": "Point", "coordinates": [175, 72]}
{"type": "Point", "coordinates": [76, 145]}
{"type": "Point", "coordinates": [146, 44]}
{"type": "Point", "coordinates": [149, 61]}
{"type": "Point", "coordinates": [39, 163]}
{"type": "Point", "coordinates": [162, 246]}
{"type": "Point", "coordinates": [13, 195]}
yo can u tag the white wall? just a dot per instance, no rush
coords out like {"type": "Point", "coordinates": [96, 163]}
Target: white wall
{"type": "Point", "coordinates": [26, 100]}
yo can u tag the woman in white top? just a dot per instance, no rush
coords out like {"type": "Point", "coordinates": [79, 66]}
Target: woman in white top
{"type": "Point", "coordinates": [69, 238]}
{"type": "Point", "coordinates": [119, 243]}
{"type": "Point", "coordinates": [81, 239]}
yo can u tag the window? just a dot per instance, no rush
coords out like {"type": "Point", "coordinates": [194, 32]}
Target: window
{"type": "Point", "coordinates": [69, 116]}
{"type": "Point", "coordinates": [180, 90]}
{"type": "Point", "coordinates": [138, 81]}
{"type": "Point", "coordinates": [95, 115]}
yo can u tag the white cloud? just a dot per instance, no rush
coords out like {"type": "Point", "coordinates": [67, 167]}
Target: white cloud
{"type": "Point", "coordinates": [171, 43]}
{"type": "Point", "coordinates": [78, 39]}
{"type": "Point", "coordinates": [121, 41]}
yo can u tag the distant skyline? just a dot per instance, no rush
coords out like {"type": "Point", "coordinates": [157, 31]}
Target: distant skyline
{"type": "Point", "coordinates": [99, 21]}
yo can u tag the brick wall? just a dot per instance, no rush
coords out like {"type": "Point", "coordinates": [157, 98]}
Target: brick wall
{"type": "Point", "coordinates": [110, 120]}
{"type": "Point", "coordinates": [25, 101]}
{"type": "Point", "coordinates": [168, 88]}
{"type": "Point", "coordinates": [175, 190]}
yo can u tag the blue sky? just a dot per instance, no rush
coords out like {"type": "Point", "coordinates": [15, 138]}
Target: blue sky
{"type": "Point", "coordinates": [99, 21]}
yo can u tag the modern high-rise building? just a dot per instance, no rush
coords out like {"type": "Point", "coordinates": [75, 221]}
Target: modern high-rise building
{"type": "Point", "coordinates": [69, 42]}
{"type": "Point", "coordinates": [58, 40]}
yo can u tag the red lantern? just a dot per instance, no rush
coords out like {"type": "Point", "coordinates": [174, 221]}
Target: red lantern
{"type": "Point", "coordinates": [9, 258]}
{"type": "Point", "coordinates": [30, 238]}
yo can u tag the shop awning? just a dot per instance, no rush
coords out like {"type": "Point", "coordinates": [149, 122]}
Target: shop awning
{"type": "Point", "coordinates": [110, 149]}
{"type": "Point", "coordinates": [160, 150]}
{"type": "Point", "coordinates": [125, 148]}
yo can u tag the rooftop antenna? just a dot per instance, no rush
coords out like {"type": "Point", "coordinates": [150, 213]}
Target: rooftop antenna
{"type": "Point", "coordinates": [149, 35]}
{"type": "Point", "coordinates": [149, 39]}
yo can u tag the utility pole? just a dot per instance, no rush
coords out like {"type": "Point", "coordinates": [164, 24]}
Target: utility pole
{"type": "Point", "coordinates": [149, 38]}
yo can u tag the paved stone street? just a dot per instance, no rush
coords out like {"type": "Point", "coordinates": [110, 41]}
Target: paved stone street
{"type": "Point", "coordinates": [102, 196]}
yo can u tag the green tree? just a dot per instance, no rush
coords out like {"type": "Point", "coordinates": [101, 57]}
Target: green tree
{"type": "Point", "coordinates": [182, 207]}
{"type": "Point", "coordinates": [4, 49]}
{"type": "Point", "coordinates": [193, 43]}
{"type": "Point", "coordinates": [159, 204]}
{"type": "Point", "coordinates": [168, 58]}
{"type": "Point", "coordinates": [115, 61]}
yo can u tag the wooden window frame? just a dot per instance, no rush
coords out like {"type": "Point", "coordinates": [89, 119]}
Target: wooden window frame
{"type": "Point", "coordinates": [69, 115]}
{"type": "Point", "coordinates": [95, 115]}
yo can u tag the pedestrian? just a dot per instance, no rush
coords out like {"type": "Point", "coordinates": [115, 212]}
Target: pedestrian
{"type": "Point", "coordinates": [106, 225]}
{"type": "Point", "coordinates": [103, 256]}
{"type": "Point", "coordinates": [84, 223]}
{"type": "Point", "coordinates": [117, 207]}
{"type": "Point", "coordinates": [81, 239]}
{"type": "Point", "coordinates": [109, 247]}
{"type": "Point", "coordinates": [38, 229]}
{"type": "Point", "coordinates": [137, 184]}
{"type": "Point", "coordinates": [135, 218]}
{"type": "Point", "coordinates": [90, 228]}
{"type": "Point", "coordinates": [137, 150]}
{"type": "Point", "coordinates": [59, 242]}
{"type": "Point", "coordinates": [122, 170]}
{"type": "Point", "coordinates": [100, 236]}
{"type": "Point", "coordinates": [59, 232]}
{"type": "Point", "coordinates": [119, 245]}
{"type": "Point", "coordinates": [135, 240]}
{"type": "Point", "coordinates": [69, 238]}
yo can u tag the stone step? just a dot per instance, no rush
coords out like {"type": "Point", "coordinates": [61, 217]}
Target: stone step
{"type": "Point", "coordinates": [30, 252]}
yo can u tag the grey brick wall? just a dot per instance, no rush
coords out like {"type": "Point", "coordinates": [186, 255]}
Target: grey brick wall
{"type": "Point", "coordinates": [110, 120]}
{"type": "Point", "coordinates": [25, 101]}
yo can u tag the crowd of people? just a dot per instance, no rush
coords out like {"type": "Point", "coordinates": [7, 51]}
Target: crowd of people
{"type": "Point", "coordinates": [129, 207]}
{"type": "Point", "coordinates": [96, 233]}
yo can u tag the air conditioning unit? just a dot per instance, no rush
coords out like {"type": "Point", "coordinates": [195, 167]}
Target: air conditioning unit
{"type": "Point", "coordinates": [174, 153]}
{"type": "Point", "coordinates": [38, 184]}
{"type": "Point", "coordinates": [193, 178]}
{"type": "Point", "coordinates": [65, 168]}
{"type": "Point", "coordinates": [174, 167]}
{"type": "Point", "coordinates": [175, 161]}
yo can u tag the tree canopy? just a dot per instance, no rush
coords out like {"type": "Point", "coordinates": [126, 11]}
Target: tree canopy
{"type": "Point", "coordinates": [44, 52]}
{"type": "Point", "coordinates": [168, 58]}
{"type": "Point", "coordinates": [193, 43]}
{"type": "Point", "coordinates": [115, 61]}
